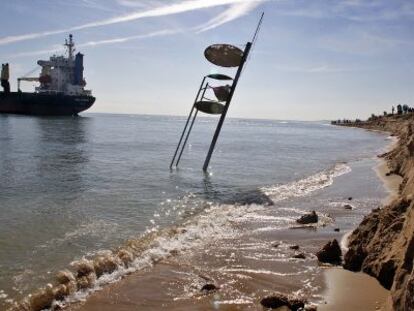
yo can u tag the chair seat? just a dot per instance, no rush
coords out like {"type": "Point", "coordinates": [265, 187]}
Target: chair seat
{"type": "Point", "coordinates": [210, 107]}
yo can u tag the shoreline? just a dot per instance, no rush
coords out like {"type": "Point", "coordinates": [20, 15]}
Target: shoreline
{"type": "Point", "coordinates": [128, 292]}
{"type": "Point", "coordinates": [366, 292]}
{"type": "Point", "coordinates": [391, 182]}
{"type": "Point", "coordinates": [339, 283]}
{"type": "Point", "coordinates": [383, 244]}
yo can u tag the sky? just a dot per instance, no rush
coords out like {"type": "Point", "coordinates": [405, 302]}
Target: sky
{"type": "Point", "coordinates": [313, 60]}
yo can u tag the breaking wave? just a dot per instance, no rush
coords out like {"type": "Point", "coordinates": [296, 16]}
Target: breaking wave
{"type": "Point", "coordinates": [215, 221]}
{"type": "Point", "coordinates": [307, 185]}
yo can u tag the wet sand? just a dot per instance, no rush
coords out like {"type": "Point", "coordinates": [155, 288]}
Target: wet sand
{"type": "Point", "coordinates": [246, 269]}
{"type": "Point", "coordinates": [164, 286]}
{"type": "Point", "coordinates": [249, 267]}
{"type": "Point", "coordinates": [345, 291]}
{"type": "Point", "coordinates": [352, 291]}
{"type": "Point", "coordinates": [386, 234]}
{"type": "Point", "coordinates": [367, 294]}
{"type": "Point", "coordinates": [391, 182]}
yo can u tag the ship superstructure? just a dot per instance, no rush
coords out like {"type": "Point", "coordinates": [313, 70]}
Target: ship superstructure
{"type": "Point", "coordinates": [61, 74]}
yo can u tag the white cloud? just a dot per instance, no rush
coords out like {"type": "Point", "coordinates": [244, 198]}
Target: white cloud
{"type": "Point", "coordinates": [57, 49]}
{"type": "Point", "coordinates": [352, 10]}
{"type": "Point", "coordinates": [170, 9]}
{"type": "Point", "coordinates": [51, 50]}
{"type": "Point", "coordinates": [235, 11]}
{"type": "Point", "coordinates": [146, 4]}
{"type": "Point", "coordinates": [126, 39]}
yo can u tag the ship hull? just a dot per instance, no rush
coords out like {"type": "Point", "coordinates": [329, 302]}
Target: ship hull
{"type": "Point", "coordinates": [44, 104]}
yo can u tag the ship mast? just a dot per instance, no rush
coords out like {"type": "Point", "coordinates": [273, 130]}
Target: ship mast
{"type": "Point", "coordinates": [70, 46]}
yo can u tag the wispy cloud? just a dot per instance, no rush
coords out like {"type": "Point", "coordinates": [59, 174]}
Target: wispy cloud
{"type": "Point", "coordinates": [57, 49]}
{"type": "Point", "coordinates": [363, 11]}
{"type": "Point", "coordinates": [315, 69]}
{"type": "Point", "coordinates": [176, 8]}
{"type": "Point", "coordinates": [143, 4]}
{"type": "Point", "coordinates": [85, 4]}
{"type": "Point", "coordinates": [130, 38]}
{"type": "Point", "coordinates": [235, 11]}
{"type": "Point", "coordinates": [51, 50]}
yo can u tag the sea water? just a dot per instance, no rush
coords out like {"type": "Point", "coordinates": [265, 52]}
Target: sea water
{"type": "Point", "coordinates": [76, 187]}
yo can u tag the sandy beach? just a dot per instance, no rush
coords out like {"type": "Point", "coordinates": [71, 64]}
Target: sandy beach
{"type": "Point", "coordinates": [366, 292]}
{"type": "Point", "coordinates": [340, 284]}
{"type": "Point", "coordinates": [177, 277]}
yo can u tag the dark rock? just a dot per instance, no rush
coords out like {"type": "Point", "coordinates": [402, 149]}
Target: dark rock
{"type": "Point", "coordinates": [330, 253]}
{"type": "Point", "coordinates": [274, 301]}
{"type": "Point", "coordinates": [279, 300]}
{"type": "Point", "coordinates": [354, 259]}
{"type": "Point", "coordinates": [299, 256]}
{"type": "Point", "coordinates": [337, 229]}
{"type": "Point", "coordinates": [174, 252]}
{"type": "Point", "coordinates": [275, 244]}
{"type": "Point", "coordinates": [350, 198]}
{"type": "Point", "coordinates": [294, 247]}
{"type": "Point", "coordinates": [251, 197]}
{"type": "Point", "coordinates": [296, 304]}
{"type": "Point", "coordinates": [348, 206]}
{"type": "Point", "coordinates": [387, 273]}
{"type": "Point", "coordinates": [310, 218]}
{"type": "Point", "coordinates": [209, 287]}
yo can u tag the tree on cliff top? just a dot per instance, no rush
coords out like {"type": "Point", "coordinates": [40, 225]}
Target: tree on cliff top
{"type": "Point", "coordinates": [405, 108]}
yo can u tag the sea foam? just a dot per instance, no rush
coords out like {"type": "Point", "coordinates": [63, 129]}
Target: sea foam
{"type": "Point", "coordinates": [215, 221]}
{"type": "Point", "coordinates": [306, 185]}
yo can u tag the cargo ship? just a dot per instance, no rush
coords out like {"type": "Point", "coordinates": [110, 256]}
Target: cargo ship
{"type": "Point", "coordinates": [61, 89]}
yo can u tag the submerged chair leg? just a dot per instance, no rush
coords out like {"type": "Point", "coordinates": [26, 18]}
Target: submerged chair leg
{"type": "Point", "coordinates": [186, 139]}
{"type": "Point", "coordinates": [192, 122]}
{"type": "Point", "coordinates": [188, 119]}
{"type": "Point", "coordinates": [181, 138]}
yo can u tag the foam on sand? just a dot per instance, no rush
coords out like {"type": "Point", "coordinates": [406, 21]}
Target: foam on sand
{"type": "Point", "coordinates": [214, 222]}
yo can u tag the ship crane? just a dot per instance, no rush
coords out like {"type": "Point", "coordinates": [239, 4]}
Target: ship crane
{"type": "Point", "coordinates": [28, 79]}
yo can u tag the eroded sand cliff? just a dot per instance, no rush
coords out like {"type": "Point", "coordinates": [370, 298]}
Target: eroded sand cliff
{"type": "Point", "coordinates": [383, 244]}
